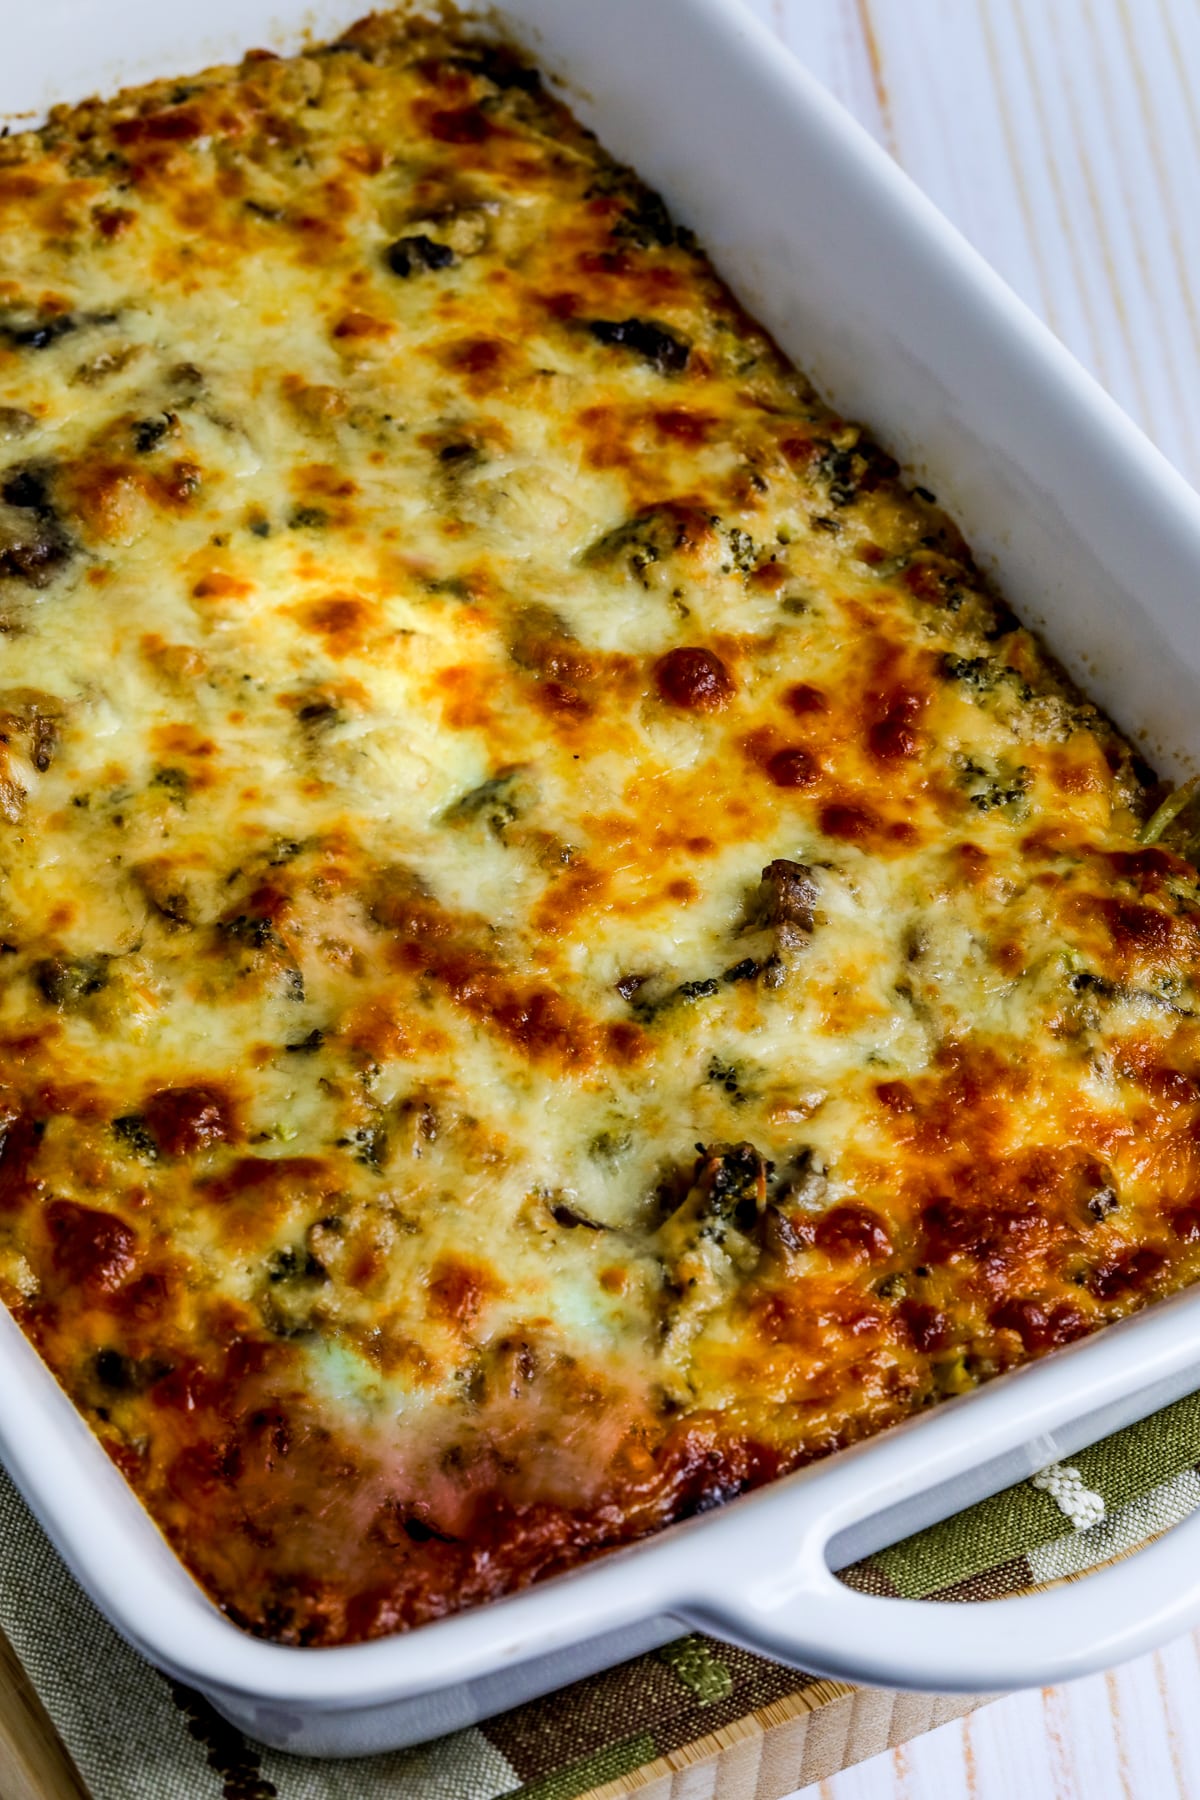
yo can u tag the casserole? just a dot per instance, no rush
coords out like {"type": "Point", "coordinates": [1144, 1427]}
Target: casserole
{"type": "Point", "coordinates": [581, 1586]}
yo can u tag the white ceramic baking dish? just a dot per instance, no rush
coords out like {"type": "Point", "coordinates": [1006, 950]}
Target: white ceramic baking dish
{"type": "Point", "coordinates": [1096, 540]}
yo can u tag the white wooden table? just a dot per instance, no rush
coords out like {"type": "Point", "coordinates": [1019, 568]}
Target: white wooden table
{"type": "Point", "coordinates": [1063, 138]}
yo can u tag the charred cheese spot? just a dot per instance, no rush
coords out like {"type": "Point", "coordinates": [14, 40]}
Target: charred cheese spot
{"type": "Point", "coordinates": [694, 680]}
{"type": "Point", "coordinates": [91, 1249]}
{"type": "Point", "coordinates": [803, 698]}
{"type": "Point", "coordinates": [793, 767]}
{"type": "Point", "coordinates": [186, 1119]}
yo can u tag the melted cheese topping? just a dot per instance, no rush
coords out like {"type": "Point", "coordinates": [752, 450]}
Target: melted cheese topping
{"type": "Point", "coordinates": [559, 954]}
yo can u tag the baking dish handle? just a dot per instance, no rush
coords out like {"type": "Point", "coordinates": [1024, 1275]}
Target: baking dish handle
{"type": "Point", "coordinates": [807, 1617]}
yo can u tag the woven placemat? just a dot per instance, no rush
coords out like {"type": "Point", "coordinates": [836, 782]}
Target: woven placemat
{"type": "Point", "coordinates": [134, 1735]}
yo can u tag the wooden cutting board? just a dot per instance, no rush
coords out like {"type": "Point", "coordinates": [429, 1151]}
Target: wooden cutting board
{"type": "Point", "coordinates": [786, 1745]}
{"type": "Point", "coordinates": [764, 1756]}
{"type": "Point", "coordinates": [34, 1764]}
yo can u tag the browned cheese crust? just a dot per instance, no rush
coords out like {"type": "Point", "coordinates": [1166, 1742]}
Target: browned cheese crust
{"type": "Point", "coordinates": [559, 955]}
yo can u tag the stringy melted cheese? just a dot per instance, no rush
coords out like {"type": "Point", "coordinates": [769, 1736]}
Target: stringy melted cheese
{"type": "Point", "coordinates": [560, 956]}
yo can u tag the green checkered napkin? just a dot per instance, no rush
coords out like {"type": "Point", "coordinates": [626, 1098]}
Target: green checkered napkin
{"type": "Point", "coordinates": [136, 1736]}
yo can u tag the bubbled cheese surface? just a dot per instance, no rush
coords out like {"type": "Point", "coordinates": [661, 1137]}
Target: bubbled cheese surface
{"type": "Point", "coordinates": [559, 955]}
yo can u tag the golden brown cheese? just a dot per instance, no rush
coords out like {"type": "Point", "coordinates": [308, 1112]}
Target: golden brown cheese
{"type": "Point", "coordinates": [560, 955]}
